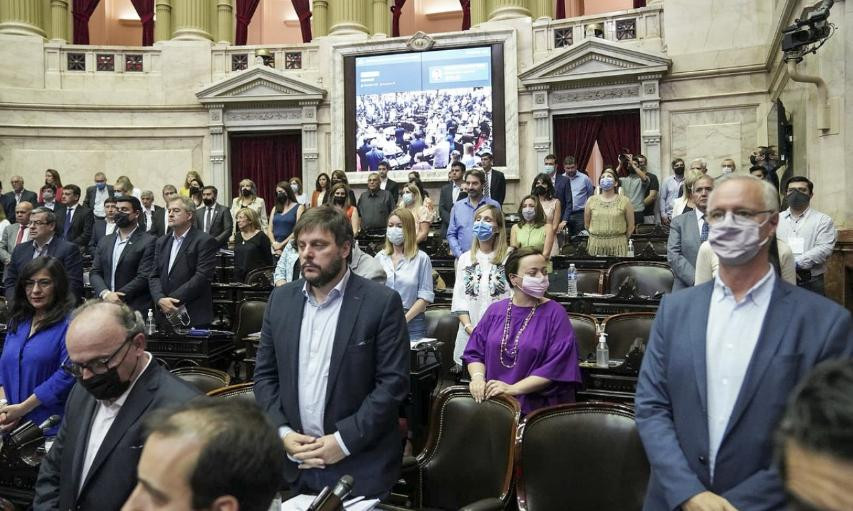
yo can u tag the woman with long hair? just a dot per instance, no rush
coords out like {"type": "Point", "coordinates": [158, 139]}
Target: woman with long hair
{"type": "Point", "coordinates": [410, 198]}
{"type": "Point", "coordinates": [252, 248]}
{"type": "Point", "coordinates": [408, 270]}
{"type": "Point", "coordinates": [247, 197]}
{"type": "Point", "coordinates": [609, 219]}
{"type": "Point", "coordinates": [184, 191]}
{"type": "Point", "coordinates": [51, 177]}
{"type": "Point", "coordinates": [321, 190]}
{"type": "Point", "coordinates": [296, 186]}
{"type": "Point", "coordinates": [284, 215]}
{"type": "Point", "coordinates": [340, 177]}
{"type": "Point", "coordinates": [340, 195]}
{"type": "Point", "coordinates": [194, 191]}
{"type": "Point", "coordinates": [543, 190]}
{"type": "Point", "coordinates": [124, 185]}
{"type": "Point", "coordinates": [31, 377]}
{"type": "Point", "coordinates": [531, 229]}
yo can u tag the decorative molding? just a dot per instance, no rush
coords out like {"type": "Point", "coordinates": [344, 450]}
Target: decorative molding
{"type": "Point", "coordinates": [261, 88]}
{"type": "Point", "coordinates": [539, 98]}
{"type": "Point", "coordinates": [542, 146]}
{"type": "Point", "coordinates": [217, 130]}
{"type": "Point", "coordinates": [541, 114]}
{"type": "Point", "coordinates": [263, 115]}
{"type": "Point", "coordinates": [651, 76]}
{"type": "Point", "coordinates": [310, 156]}
{"type": "Point", "coordinates": [651, 139]}
{"type": "Point", "coordinates": [651, 105]}
{"type": "Point", "coordinates": [420, 42]}
{"type": "Point", "coordinates": [260, 82]}
{"type": "Point", "coordinates": [595, 94]}
{"type": "Point", "coordinates": [650, 89]}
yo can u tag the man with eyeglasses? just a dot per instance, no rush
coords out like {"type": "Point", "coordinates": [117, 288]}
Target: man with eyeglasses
{"type": "Point", "coordinates": [686, 234]}
{"type": "Point", "coordinates": [45, 242]}
{"type": "Point", "coordinates": [722, 359]}
{"type": "Point", "coordinates": [92, 463]}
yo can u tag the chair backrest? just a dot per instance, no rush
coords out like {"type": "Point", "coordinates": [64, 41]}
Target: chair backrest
{"type": "Point", "coordinates": [5, 505]}
{"type": "Point", "coordinates": [581, 456]}
{"type": "Point", "coordinates": [589, 281]}
{"type": "Point", "coordinates": [4, 312]}
{"type": "Point", "coordinates": [651, 277]}
{"type": "Point", "coordinates": [622, 329]}
{"type": "Point", "coordinates": [242, 391]}
{"type": "Point", "coordinates": [443, 325]}
{"type": "Point", "coordinates": [261, 277]}
{"type": "Point", "coordinates": [250, 318]}
{"type": "Point", "coordinates": [204, 379]}
{"type": "Point", "coordinates": [468, 455]}
{"type": "Point", "coordinates": [586, 334]}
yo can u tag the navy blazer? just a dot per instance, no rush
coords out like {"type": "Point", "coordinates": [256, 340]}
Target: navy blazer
{"type": "Point", "coordinates": [800, 330]}
{"type": "Point", "coordinates": [9, 203]}
{"type": "Point", "coordinates": [112, 476]}
{"type": "Point", "coordinates": [368, 380]}
{"type": "Point", "coordinates": [132, 271]}
{"type": "Point", "coordinates": [67, 253]}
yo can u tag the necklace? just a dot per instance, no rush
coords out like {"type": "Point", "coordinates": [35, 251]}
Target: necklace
{"type": "Point", "coordinates": [512, 354]}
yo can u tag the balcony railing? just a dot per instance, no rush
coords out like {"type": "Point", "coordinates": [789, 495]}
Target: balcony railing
{"type": "Point", "coordinates": [232, 59]}
{"type": "Point", "coordinates": [83, 59]}
{"type": "Point", "coordinates": [621, 26]}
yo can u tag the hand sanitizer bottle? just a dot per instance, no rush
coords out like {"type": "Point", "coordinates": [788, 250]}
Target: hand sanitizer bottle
{"type": "Point", "coordinates": [602, 352]}
{"type": "Point", "coordinates": [630, 248]}
{"type": "Point", "coordinates": [150, 325]}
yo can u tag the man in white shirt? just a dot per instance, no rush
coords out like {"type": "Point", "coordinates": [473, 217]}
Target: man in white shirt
{"type": "Point", "coordinates": [810, 234]}
{"type": "Point", "coordinates": [671, 190]}
{"type": "Point", "coordinates": [92, 463]}
{"type": "Point", "coordinates": [149, 213]}
{"type": "Point", "coordinates": [97, 194]}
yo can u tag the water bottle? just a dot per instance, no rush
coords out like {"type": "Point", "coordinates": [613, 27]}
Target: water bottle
{"type": "Point", "coordinates": [630, 248]}
{"type": "Point", "coordinates": [572, 280]}
{"type": "Point", "coordinates": [150, 325]}
{"type": "Point", "coordinates": [602, 352]}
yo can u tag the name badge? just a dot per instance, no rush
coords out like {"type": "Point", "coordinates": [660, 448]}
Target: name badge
{"type": "Point", "coordinates": [798, 245]}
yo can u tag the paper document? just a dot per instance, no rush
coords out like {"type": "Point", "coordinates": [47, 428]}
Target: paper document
{"type": "Point", "coordinates": [302, 502]}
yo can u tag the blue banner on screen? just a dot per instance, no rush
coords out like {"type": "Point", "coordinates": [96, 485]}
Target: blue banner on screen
{"type": "Point", "coordinates": [423, 110]}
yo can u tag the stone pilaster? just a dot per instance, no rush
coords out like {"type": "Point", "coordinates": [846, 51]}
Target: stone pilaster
{"type": "Point", "coordinates": [650, 121]}
{"type": "Point", "coordinates": [541, 9]}
{"type": "Point", "coordinates": [349, 17]}
{"type": "Point", "coordinates": [381, 17]}
{"type": "Point", "coordinates": [163, 24]}
{"type": "Point", "coordinates": [225, 20]}
{"type": "Point", "coordinates": [479, 13]}
{"type": "Point", "coordinates": [320, 18]}
{"type": "Point", "coordinates": [59, 20]}
{"type": "Point", "coordinates": [216, 125]}
{"type": "Point", "coordinates": [22, 17]}
{"type": "Point", "coordinates": [507, 9]}
{"type": "Point", "coordinates": [541, 122]}
{"type": "Point", "coordinates": [191, 20]}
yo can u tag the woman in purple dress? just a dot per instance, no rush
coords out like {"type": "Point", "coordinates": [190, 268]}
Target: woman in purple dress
{"type": "Point", "coordinates": [524, 346]}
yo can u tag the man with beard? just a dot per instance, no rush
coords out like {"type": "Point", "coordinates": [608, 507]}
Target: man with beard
{"type": "Point", "coordinates": [332, 365]}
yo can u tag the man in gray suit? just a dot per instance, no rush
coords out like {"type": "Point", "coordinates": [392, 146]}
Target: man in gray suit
{"type": "Point", "coordinates": [686, 232]}
{"type": "Point", "coordinates": [722, 359]}
{"type": "Point", "coordinates": [17, 233]}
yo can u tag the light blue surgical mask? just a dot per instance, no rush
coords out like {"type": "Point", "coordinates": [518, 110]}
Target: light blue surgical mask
{"type": "Point", "coordinates": [483, 230]}
{"type": "Point", "coordinates": [549, 169]}
{"type": "Point", "coordinates": [395, 235]}
{"type": "Point", "coordinates": [408, 199]}
{"type": "Point", "coordinates": [606, 183]}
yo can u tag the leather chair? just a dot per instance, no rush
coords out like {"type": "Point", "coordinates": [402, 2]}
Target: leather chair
{"type": "Point", "coordinates": [467, 461]}
{"type": "Point", "coordinates": [622, 329]}
{"type": "Point", "coordinates": [651, 277]}
{"type": "Point", "coordinates": [204, 379]}
{"type": "Point", "coordinates": [261, 277]}
{"type": "Point", "coordinates": [250, 319]}
{"type": "Point", "coordinates": [586, 330]}
{"type": "Point", "coordinates": [581, 456]}
{"type": "Point", "coordinates": [242, 391]}
{"type": "Point", "coordinates": [5, 505]}
{"type": "Point", "coordinates": [442, 325]}
{"type": "Point", "coordinates": [589, 281]}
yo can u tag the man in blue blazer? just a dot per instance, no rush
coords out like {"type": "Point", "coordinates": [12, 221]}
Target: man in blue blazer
{"type": "Point", "coordinates": [721, 361]}
{"type": "Point", "coordinates": [332, 366]}
{"type": "Point", "coordinates": [686, 233]}
{"type": "Point", "coordinates": [45, 242]}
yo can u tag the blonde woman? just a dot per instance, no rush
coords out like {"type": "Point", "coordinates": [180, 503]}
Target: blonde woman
{"type": "Point", "coordinates": [410, 198]}
{"type": "Point", "coordinates": [480, 276]}
{"type": "Point", "coordinates": [188, 183]}
{"type": "Point", "coordinates": [247, 197]}
{"type": "Point", "coordinates": [124, 185]}
{"type": "Point", "coordinates": [408, 270]}
{"type": "Point", "coordinates": [251, 246]}
{"type": "Point", "coordinates": [685, 203]}
{"type": "Point", "coordinates": [609, 219]}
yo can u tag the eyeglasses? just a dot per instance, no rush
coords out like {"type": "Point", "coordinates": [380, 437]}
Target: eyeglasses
{"type": "Point", "coordinates": [718, 215]}
{"type": "Point", "coordinates": [99, 366]}
{"type": "Point", "coordinates": [42, 283]}
{"type": "Point", "coordinates": [38, 222]}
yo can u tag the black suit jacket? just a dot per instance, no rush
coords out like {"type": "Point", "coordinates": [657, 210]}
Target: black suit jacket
{"type": "Point", "coordinates": [82, 225]}
{"type": "Point", "coordinates": [59, 210]}
{"type": "Point", "coordinates": [112, 475]}
{"type": "Point", "coordinates": [191, 275]}
{"type": "Point", "coordinates": [393, 188]}
{"type": "Point", "coordinates": [99, 232]}
{"type": "Point", "coordinates": [132, 271]}
{"type": "Point", "coordinates": [9, 203]}
{"type": "Point", "coordinates": [158, 221]}
{"type": "Point", "coordinates": [368, 380]}
{"type": "Point", "coordinates": [67, 253]}
{"type": "Point", "coordinates": [445, 205]}
{"type": "Point", "coordinates": [497, 188]}
{"type": "Point", "coordinates": [222, 225]}
{"type": "Point", "coordinates": [89, 202]}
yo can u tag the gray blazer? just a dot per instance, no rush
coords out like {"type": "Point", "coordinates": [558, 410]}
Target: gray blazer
{"type": "Point", "coordinates": [7, 242]}
{"type": "Point", "coordinates": [682, 249]}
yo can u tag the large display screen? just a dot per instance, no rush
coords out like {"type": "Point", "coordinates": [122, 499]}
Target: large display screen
{"type": "Point", "coordinates": [415, 109]}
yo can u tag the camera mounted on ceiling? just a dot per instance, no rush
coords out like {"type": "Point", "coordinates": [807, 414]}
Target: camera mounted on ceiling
{"type": "Point", "coordinates": [809, 32]}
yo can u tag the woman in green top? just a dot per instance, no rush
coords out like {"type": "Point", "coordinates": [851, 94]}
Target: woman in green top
{"type": "Point", "coordinates": [609, 218]}
{"type": "Point", "coordinates": [532, 230]}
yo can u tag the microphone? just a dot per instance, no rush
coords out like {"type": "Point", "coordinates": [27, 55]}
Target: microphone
{"type": "Point", "coordinates": [48, 423]}
{"type": "Point", "coordinates": [333, 500]}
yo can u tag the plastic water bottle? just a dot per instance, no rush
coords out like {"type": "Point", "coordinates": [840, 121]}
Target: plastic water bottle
{"type": "Point", "coordinates": [572, 281]}
{"type": "Point", "coordinates": [602, 352]}
{"type": "Point", "coordinates": [630, 248]}
{"type": "Point", "coordinates": [150, 325]}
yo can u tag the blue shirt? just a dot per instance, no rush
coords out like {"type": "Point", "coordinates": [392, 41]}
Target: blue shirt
{"type": "Point", "coordinates": [582, 190]}
{"type": "Point", "coordinates": [411, 278]}
{"type": "Point", "coordinates": [460, 232]}
{"type": "Point", "coordinates": [33, 365]}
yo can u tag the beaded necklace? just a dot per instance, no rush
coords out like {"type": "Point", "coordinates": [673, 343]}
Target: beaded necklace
{"type": "Point", "coordinates": [513, 353]}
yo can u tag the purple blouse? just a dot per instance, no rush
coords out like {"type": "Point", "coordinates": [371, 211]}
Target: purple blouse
{"type": "Point", "coordinates": [546, 349]}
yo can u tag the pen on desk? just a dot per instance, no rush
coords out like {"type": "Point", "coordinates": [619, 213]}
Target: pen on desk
{"type": "Point", "coordinates": [350, 502]}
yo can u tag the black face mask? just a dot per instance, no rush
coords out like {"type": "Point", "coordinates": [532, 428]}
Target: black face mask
{"type": "Point", "coordinates": [540, 190]}
{"type": "Point", "coordinates": [340, 200]}
{"type": "Point", "coordinates": [193, 190]}
{"type": "Point", "coordinates": [122, 220]}
{"type": "Point", "coordinates": [245, 192]}
{"type": "Point", "coordinates": [107, 386]}
{"type": "Point", "coordinates": [209, 202]}
{"type": "Point", "coordinates": [679, 170]}
{"type": "Point", "coordinates": [798, 199]}
{"type": "Point", "coordinates": [281, 196]}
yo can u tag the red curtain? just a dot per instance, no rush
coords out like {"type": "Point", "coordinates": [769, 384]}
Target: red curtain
{"type": "Point", "coordinates": [303, 10]}
{"type": "Point", "coordinates": [561, 9]}
{"type": "Point", "coordinates": [82, 10]}
{"type": "Point", "coordinates": [397, 11]}
{"type": "Point", "coordinates": [619, 130]}
{"type": "Point", "coordinates": [245, 11]}
{"type": "Point", "coordinates": [145, 10]}
{"type": "Point", "coordinates": [639, 3]}
{"type": "Point", "coordinates": [266, 160]}
{"type": "Point", "coordinates": [466, 14]}
{"type": "Point", "coordinates": [575, 135]}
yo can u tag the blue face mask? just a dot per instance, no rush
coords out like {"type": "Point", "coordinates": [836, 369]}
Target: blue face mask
{"type": "Point", "coordinates": [606, 183]}
{"type": "Point", "coordinates": [483, 230]}
{"type": "Point", "coordinates": [101, 186]}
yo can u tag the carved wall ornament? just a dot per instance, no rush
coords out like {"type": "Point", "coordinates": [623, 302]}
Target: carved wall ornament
{"type": "Point", "coordinates": [574, 96]}
{"type": "Point", "coordinates": [651, 89]}
{"type": "Point", "coordinates": [588, 58]}
{"type": "Point", "coordinates": [539, 98]}
{"type": "Point", "coordinates": [260, 85]}
{"type": "Point", "coordinates": [263, 115]}
{"type": "Point", "coordinates": [420, 42]}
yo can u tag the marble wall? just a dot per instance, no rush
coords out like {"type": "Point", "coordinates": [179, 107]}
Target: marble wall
{"type": "Point", "coordinates": [713, 135]}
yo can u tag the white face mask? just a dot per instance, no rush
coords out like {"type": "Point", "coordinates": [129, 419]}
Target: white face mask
{"type": "Point", "coordinates": [727, 169]}
{"type": "Point", "coordinates": [528, 214]}
{"type": "Point", "coordinates": [395, 235]}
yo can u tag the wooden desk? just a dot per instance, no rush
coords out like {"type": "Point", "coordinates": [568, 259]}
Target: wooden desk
{"type": "Point", "coordinates": [175, 351]}
{"type": "Point", "coordinates": [227, 297]}
{"type": "Point", "coordinates": [609, 384]}
{"type": "Point", "coordinates": [605, 306]}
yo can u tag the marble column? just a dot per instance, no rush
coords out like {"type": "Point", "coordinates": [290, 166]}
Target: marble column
{"type": "Point", "coordinates": [381, 17]}
{"type": "Point", "coordinates": [225, 20]}
{"type": "Point", "coordinates": [59, 20]}
{"type": "Point", "coordinates": [310, 143]}
{"type": "Point", "coordinates": [507, 9]}
{"type": "Point", "coordinates": [22, 17]}
{"type": "Point", "coordinates": [319, 18]}
{"type": "Point", "coordinates": [163, 24]}
{"type": "Point", "coordinates": [541, 9]}
{"type": "Point", "coordinates": [349, 17]}
{"type": "Point", "coordinates": [541, 122]}
{"type": "Point", "coordinates": [191, 20]}
{"type": "Point", "coordinates": [216, 126]}
{"type": "Point", "coordinates": [479, 14]}
{"type": "Point", "coordinates": [650, 121]}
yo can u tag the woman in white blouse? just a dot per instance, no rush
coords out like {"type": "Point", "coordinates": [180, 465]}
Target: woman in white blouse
{"type": "Point", "coordinates": [248, 198]}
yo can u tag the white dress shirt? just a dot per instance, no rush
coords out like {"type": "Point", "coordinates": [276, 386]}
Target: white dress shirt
{"type": "Point", "coordinates": [457, 190]}
{"type": "Point", "coordinates": [105, 414]}
{"type": "Point", "coordinates": [100, 197]}
{"type": "Point", "coordinates": [149, 218]}
{"type": "Point", "coordinates": [118, 248]}
{"type": "Point", "coordinates": [177, 241]}
{"type": "Point", "coordinates": [811, 237]}
{"type": "Point", "coordinates": [732, 334]}
{"type": "Point", "coordinates": [40, 250]}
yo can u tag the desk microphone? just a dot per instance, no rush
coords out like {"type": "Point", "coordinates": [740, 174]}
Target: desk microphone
{"type": "Point", "coordinates": [333, 500]}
